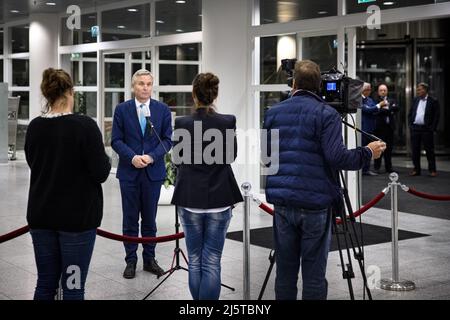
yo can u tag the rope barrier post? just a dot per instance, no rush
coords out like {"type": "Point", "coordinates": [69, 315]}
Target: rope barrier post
{"type": "Point", "coordinates": [246, 187]}
{"type": "Point", "coordinates": [395, 284]}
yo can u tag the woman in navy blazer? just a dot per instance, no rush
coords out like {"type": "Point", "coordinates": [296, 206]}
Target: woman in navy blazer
{"type": "Point", "coordinates": [205, 190]}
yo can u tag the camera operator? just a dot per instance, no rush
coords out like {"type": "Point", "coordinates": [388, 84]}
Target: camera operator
{"type": "Point", "coordinates": [311, 151]}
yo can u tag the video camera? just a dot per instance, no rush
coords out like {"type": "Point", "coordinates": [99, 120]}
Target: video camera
{"type": "Point", "coordinates": [337, 89]}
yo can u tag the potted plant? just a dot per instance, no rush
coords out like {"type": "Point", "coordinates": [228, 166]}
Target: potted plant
{"type": "Point", "coordinates": [169, 184]}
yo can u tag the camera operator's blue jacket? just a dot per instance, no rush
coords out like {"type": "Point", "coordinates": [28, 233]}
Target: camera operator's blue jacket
{"type": "Point", "coordinates": [311, 151]}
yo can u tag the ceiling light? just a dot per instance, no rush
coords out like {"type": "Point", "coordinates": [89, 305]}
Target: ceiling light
{"type": "Point", "coordinates": [388, 3]}
{"type": "Point", "coordinates": [322, 12]}
{"type": "Point", "coordinates": [14, 11]}
{"type": "Point", "coordinates": [120, 27]}
{"type": "Point", "coordinates": [159, 21]}
{"type": "Point", "coordinates": [179, 30]}
{"type": "Point", "coordinates": [180, 1]}
{"type": "Point", "coordinates": [50, 3]}
{"type": "Point", "coordinates": [132, 10]}
{"type": "Point", "coordinates": [92, 17]}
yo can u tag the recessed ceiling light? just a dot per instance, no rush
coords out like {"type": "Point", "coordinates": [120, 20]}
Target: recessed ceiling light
{"type": "Point", "coordinates": [50, 3]}
{"type": "Point", "coordinates": [180, 1]}
{"type": "Point", "coordinates": [200, 15]}
{"type": "Point", "coordinates": [179, 30]}
{"type": "Point", "coordinates": [322, 12]}
{"type": "Point", "coordinates": [14, 11]}
{"type": "Point", "coordinates": [132, 10]}
{"type": "Point", "coordinates": [388, 3]}
{"type": "Point", "coordinates": [120, 27]}
{"type": "Point", "coordinates": [92, 17]}
{"type": "Point", "coordinates": [27, 27]}
{"type": "Point", "coordinates": [159, 21]}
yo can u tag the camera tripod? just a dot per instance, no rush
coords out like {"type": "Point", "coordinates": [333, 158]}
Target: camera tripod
{"type": "Point", "coordinates": [350, 243]}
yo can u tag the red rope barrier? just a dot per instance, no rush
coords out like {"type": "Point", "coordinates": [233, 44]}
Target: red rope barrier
{"type": "Point", "coordinates": [357, 213]}
{"type": "Point", "coordinates": [117, 237]}
{"type": "Point", "coordinates": [427, 195]}
{"type": "Point", "coordinates": [366, 207]}
{"type": "Point", "coordinates": [14, 234]}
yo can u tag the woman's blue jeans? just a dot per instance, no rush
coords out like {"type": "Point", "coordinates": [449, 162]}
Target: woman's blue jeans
{"type": "Point", "coordinates": [301, 235]}
{"type": "Point", "coordinates": [62, 256]}
{"type": "Point", "coordinates": [205, 238]}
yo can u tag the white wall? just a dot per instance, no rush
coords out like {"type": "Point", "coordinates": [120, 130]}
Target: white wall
{"type": "Point", "coordinates": [43, 54]}
{"type": "Point", "coordinates": [225, 51]}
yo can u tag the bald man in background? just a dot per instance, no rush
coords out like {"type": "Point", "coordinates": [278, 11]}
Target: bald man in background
{"type": "Point", "coordinates": [385, 126]}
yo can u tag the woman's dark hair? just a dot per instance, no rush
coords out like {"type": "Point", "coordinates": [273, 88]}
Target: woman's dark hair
{"type": "Point", "coordinates": [55, 83]}
{"type": "Point", "coordinates": [206, 89]}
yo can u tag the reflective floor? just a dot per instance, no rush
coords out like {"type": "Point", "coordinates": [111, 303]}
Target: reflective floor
{"type": "Point", "coordinates": [424, 260]}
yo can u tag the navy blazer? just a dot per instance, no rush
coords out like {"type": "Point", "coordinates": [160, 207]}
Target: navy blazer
{"type": "Point", "coordinates": [432, 111]}
{"type": "Point", "coordinates": [205, 185]}
{"type": "Point", "coordinates": [369, 112]}
{"type": "Point", "coordinates": [127, 139]}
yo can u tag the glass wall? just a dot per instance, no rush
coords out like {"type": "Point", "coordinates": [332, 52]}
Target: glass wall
{"type": "Point", "coordinates": [178, 64]}
{"type": "Point", "coordinates": [178, 16]}
{"type": "Point", "coordinates": [273, 11]}
{"type": "Point", "coordinates": [353, 6]}
{"type": "Point", "coordinates": [1, 41]}
{"type": "Point", "coordinates": [322, 50]}
{"type": "Point", "coordinates": [20, 39]}
{"type": "Point", "coordinates": [126, 23]}
{"type": "Point", "coordinates": [272, 51]}
{"type": "Point", "coordinates": [78, 36]}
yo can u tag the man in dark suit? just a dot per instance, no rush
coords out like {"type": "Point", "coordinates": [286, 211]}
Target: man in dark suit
{"type": "Point", "coordinates": [369, 117]}
{"type": "Point", "coordinates": [385, 126]}
{"type": "Point", "coordinates": [138, 126]}
{"type": "Point", "coordinates": [423, 119]}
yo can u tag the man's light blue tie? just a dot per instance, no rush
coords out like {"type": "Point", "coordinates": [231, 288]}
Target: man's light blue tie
{"type": "Point", "coordinates": [142, 120]}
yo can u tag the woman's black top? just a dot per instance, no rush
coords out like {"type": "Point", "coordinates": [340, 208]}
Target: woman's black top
{"type": "Point", "coordinates": [68, 163]}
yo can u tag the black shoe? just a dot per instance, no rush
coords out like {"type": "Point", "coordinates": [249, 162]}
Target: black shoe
{"type": "Point", "coordinates": [152, 266]}
{"type": "Point", "coordinates": [130, 270]}
{"type": "Point", "coordinates": [370, 173]}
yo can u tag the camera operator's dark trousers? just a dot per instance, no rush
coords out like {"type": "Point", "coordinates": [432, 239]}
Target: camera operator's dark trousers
{"type": "Point", "coordinates": [301, 235]}
{"type": "Point", "coordinates": [421, 134]}
{"type": "Point", "coordinates": [385, 133]}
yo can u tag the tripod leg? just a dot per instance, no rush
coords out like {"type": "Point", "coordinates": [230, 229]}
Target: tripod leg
{"type": "Point", "coordinates": [269, 271]}
{"type": "Point", "coordinates": [346, 273]}
{"type": "Point", "coordinates": [359, 255]}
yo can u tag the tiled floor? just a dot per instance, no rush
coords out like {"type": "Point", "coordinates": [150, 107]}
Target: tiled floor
{"type": "Point", "coordinates": [426, 260]}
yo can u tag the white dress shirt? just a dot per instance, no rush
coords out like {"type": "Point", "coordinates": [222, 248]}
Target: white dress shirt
{"type": "Point", "coordinates": [138, 106]}
{"type": "Point", "coordinates": [420, 113]}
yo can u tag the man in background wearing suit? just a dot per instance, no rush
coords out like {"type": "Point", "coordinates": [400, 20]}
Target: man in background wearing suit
{"type": "Point", "coordinates": [137, 125]}
{"type": "Point", "coordinates": [385, 126]}
{"type": "Point", "coordinates": [369, 118]}
{"type": "Point", "coordinates": [423, 119]}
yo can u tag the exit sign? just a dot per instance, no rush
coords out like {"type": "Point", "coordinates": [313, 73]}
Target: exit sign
{"type": "Point", "coordinates": [365, 1]}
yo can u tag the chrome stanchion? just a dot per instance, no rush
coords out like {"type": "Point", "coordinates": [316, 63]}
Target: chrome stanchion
{"type": "Point", "coordinates": [246, 187]}
{"type": "Point", "coordinates": [59, 292]}
{"type": "Point", "coordinates": [395, 284]}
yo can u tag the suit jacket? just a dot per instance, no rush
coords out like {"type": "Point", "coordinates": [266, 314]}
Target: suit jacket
{"type": "Point", "coordinates": [369, 115]}
{"type": "Point", "coordinates": [385, 114]}
{"type": "Point", "coordinates": [127, 139]}
{"type": "Point", "coordinates": [432, 112]}
{"type": "Point", "coordinates": [201, 183]}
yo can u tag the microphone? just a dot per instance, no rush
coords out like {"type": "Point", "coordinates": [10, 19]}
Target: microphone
{"type": "Point", "coordinates": [147, 115]}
